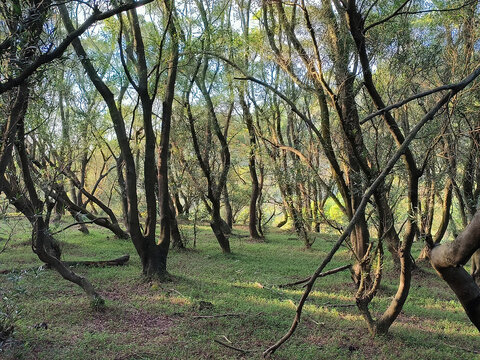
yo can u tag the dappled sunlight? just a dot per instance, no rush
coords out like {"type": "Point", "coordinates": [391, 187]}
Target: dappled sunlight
{"type": "Point", "coordinates": [243, 303]}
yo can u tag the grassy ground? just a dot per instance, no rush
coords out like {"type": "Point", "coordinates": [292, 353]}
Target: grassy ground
{"type": "Point", "coordinates": [170, 320]}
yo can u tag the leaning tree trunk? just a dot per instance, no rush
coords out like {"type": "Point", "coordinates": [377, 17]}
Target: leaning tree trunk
{"type": "Point", "coordinates": [448, 260]}
{"type": "Point", "coordinates": [43, 244]}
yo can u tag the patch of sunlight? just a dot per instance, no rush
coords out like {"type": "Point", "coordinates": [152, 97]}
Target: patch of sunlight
{"type": "Point", "coordinates": [285, 303]}
{"type": "Point", "coordinates": [321, 295]}
{"type": "Point", "coordinates": [252, 285]}
{"type": "Point", "coordinates": [453, 328]}
{"type": "Point", "coordinates": [332, 311]}
{"type": "Point", "coordinates": [433, 304]}
{"type": "Point", "coordinates": [174, 300]}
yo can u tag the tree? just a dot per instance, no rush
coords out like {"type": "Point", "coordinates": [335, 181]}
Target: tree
{"type": "Point", "coordinates": [153, 253]}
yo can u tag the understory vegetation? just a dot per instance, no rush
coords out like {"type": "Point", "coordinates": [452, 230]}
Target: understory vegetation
{"type": "Point", "coordinates": [235, 299]}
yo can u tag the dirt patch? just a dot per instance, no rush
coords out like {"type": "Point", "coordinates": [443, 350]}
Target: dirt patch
{"type": "Point", "coordinates": [141, 322]}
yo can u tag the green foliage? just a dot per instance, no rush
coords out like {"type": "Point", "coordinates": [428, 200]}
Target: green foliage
{"type": "Point", "coordinates": [97, 304]}
{"type": "Point", "coordinates": [9, 308]}
{"type": "Point", "coordinates": [8, 317]}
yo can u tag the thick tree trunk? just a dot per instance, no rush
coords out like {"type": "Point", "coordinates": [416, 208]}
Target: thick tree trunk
{"type": "Point", "coordinates": [153, 256]}
{"type": "Point", "coordinates": [154, 259]}
{"type": "Point", "coordinates": [123, 191]}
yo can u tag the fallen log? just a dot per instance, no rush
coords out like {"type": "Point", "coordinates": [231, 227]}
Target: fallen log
{"type": "Point", "coordinates": [122, 260]}
{"type": "Point", "coordinates": [100, 263]}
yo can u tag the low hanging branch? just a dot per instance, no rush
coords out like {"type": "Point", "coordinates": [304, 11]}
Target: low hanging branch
{"type": "Point", "coordinates": [364, 201]}
{"type": "Point", "coordinates": [78, 223]}
{"type": "Point", "coordinates": [329, 272]}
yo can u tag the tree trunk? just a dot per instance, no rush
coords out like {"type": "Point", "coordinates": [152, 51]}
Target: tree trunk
{"type": "Point", "coordinates": [154, 259]}
{"type": "Point", "coordinates": [448, 260]}
{"type": "Point", "coordinates": [176, 237]}
{"type": "Point", "coordinates": [252, 213]}
{"type": "Point", "coordinates": [217, 227]}
{"type": "Point", "coordinates": [123, 191]}
{"type": "Point", "coordinates": [228, 209]}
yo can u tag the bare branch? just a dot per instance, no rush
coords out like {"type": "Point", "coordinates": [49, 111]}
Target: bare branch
{"type": "Point", "coordinates": [232, 347]}
{"type": "Point", "coordinates": [329, 272]}
{"type": "Point", "coordinates": [407, 100]}
{"type": "Point", "coordinates": [78, 223]}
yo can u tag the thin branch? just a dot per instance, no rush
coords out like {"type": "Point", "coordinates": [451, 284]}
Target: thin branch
{"type": "Point", "coordinates": [232, 347]}
{"type": "Point", "coordinates": [407, 100]}
{"type": "Point", "coordinates": [122, 260]}
{"type": "Point", "coordinates": [399, 12]}
{"type": "Point", "coordinates": [6, 243]}
{"type": "Point", "coordinates": [336, 305]}
{"type": "Point", "coordinates": [78, 223]}
{"type": "Point", "coordinates": [329, 272]}
{"type": "Point", "coordinates": [218, 315]}
{"type": "Point", "coordinates": [122, 57]}
{"type": "Point", "coordinates": [395, 13]}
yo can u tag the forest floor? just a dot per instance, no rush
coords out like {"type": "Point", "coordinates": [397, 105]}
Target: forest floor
{"type": "Point", "coordinates": [234, 299]}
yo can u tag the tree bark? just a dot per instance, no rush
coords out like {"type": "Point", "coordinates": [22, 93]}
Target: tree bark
{"type": "Point", "coordinates": [448, 260]}
{"type": "Point", "coordinates": [252, 218]}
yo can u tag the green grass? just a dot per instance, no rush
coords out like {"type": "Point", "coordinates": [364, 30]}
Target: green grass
{"type": "Point", "coordinates": [160, 321]}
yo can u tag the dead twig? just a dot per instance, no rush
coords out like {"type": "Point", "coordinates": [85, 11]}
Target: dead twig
{"type": "Point", "coordinates": [218, 315]}
{"type": "Point", "coordinates": [232, 347]}
{"type": "Point", "coordinates": [329, 272]}
{"type": "Point", "coordinates": [303, 281]}
{"type": "Point", "coordinates": [177, 292]}
{"type": "Point", "coordinates": [6, 243]}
